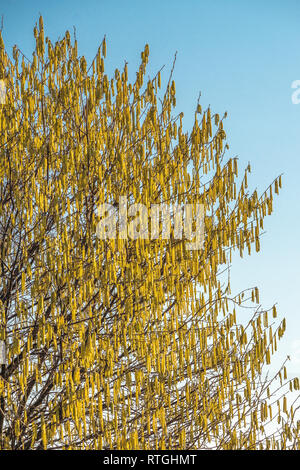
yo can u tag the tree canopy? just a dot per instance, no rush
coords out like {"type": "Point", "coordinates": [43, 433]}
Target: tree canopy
{"type": "Point", "coordinates": [126, 343]}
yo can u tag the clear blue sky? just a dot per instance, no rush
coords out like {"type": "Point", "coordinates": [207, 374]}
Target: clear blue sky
{"type": "Point", "coordinates": [243, 56]}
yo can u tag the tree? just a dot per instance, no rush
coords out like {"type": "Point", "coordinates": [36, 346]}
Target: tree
{"type": "Point", "coordinates": [125, 343]}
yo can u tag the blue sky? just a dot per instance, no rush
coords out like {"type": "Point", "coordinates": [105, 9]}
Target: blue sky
{"type": "Point", "coordinates": [243, 56]}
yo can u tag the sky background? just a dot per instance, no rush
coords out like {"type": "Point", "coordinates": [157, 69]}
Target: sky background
{"type": "Point", "coordinates": [243, 56]}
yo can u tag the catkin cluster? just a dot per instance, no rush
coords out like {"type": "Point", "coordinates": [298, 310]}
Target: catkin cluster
{"type": "Point", "coordinates": [122, 343]}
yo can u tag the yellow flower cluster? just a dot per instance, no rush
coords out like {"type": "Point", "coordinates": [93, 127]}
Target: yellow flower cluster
{"type": "Point", "coordinates": [124, 344]}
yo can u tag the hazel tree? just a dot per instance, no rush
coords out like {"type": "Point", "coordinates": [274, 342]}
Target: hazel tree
{"type": "Point", "coordinates": [126, 343]}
